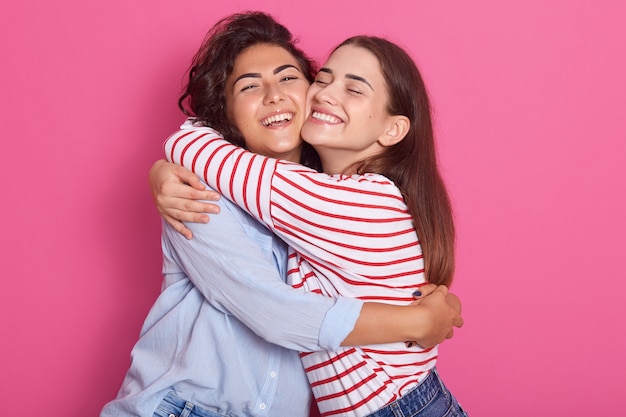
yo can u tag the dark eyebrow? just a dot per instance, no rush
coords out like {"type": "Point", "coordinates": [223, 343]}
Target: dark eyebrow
{"type": "Point", "coordinates": [258, 74]}
{"type": "Point", "coordinates": [247, 75]}
{"type": "Point", "coordinates": [284, 67]}
{"type": "Point", "coordinates": [357, 78]}
{"type": "Point", "coordinates": [350, 76]}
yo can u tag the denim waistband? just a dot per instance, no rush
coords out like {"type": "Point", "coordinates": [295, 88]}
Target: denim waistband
{"type": "Point", "coordinates": [174, 406]}
{"type": "Point", "coordinates": [415, 400]}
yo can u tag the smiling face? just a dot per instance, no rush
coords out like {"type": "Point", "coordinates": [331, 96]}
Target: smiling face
{"type": "Point", "coordinates": [265, 100]}
{"type": "Point", "coordinates": [347, 106]}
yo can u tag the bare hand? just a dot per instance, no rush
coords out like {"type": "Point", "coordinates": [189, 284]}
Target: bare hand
{"type": "Point", "coordinates": [444, 309]}
{"type": "Point", "coordinates": [176, 192]}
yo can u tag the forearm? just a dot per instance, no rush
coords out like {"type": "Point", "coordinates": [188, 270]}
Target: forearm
{"type": "Point", "coordinates": [385, 323]}
{"type": "Point", "coordinates": [428, 321]}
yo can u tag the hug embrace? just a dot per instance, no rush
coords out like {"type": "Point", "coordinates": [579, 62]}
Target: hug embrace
{"type": "Point", "coordinates": [325, 273]}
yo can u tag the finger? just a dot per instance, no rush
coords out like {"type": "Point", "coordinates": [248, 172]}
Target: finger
{"type": "Point", "coordinates": [185, 191]}
{"type": "Point", "coordinates": [179, 227]}
{"type": "Point", "coordinates": [186, 233]}
{"type": "Point", "coordinates": [424, 290]}
{"type": "Point", "coordinates": [442, 289]}
{"type": "Point", "coordinates": [195, 182]}
{"type": "Point", "coordinates": [186, 216]}
{"type": "Point", "coordinates": [212, 195]}
{"type": "Point", "coordinates": [194, 206]}
{"type": "Point", "coordinates": [208, 195]}
{"type": "Point", "coordinates": [454, 302]}
{"type": "Point", "coordinates": [175, 187]}
{"type": "Point", "coordinates": [189, 177]}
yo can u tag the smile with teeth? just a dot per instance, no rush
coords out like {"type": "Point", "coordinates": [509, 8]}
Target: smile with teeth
{"type": "Point", "coordinates": [277, 118]}
{"type": "Point", "coordinates": [323, 117]}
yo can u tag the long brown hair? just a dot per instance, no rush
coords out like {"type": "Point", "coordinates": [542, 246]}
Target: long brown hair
{"type": "Point", "coordinates": [412, 163]}
{"type": "Point", "coordinates": [204, 96]}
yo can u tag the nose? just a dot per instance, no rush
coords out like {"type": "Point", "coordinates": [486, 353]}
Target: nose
{"type": "Point", "coordinates": [325, 95]}
{"type": "Point", "coordinates": [273, 95]}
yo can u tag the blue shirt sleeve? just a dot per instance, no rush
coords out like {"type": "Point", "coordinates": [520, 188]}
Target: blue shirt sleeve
{"type": "Point", "coordinates": [233, 262]}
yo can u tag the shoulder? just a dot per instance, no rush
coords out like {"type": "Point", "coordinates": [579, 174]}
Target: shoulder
{"type": "Point", "coordinates": [193, 125]}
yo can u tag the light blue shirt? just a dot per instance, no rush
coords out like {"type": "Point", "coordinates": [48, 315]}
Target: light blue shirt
{"type": "Point", "coordinates": [220, 333]}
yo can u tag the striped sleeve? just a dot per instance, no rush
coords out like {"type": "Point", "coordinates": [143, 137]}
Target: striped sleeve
{"type": "Point", "coordinates": [241, 176]}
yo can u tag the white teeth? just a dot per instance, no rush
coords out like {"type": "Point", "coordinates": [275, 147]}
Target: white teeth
{"type": "Point", "coordinates": [325, 117]}
{"type": "Point", "coordinates": [277, 118]}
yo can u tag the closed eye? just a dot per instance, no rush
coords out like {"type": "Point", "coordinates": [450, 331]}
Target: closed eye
{"type": "Point", "coordinates": [248, 87]}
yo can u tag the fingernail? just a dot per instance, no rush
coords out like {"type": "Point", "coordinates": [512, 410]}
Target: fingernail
{"type": "Point", "coordinates": [417, 293]}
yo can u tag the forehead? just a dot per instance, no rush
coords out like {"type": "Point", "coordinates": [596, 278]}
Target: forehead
{"type": "Point", "coordinates": [350, 59]}
{"type": "Point", "coordinates": [261, 57]}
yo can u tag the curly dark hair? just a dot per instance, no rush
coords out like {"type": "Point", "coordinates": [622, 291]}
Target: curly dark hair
{"type": "Point", "coordinates": [204, 96]}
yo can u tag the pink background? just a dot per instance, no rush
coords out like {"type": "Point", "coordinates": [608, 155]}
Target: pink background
{"type": "Point", "coordinates": [530, 102]}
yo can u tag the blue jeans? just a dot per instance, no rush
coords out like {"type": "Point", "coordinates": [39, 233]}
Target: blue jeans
{"type": "Point", "coordinates": [430, 398]}
{"type": "Point", "coordinates": [173, 406]}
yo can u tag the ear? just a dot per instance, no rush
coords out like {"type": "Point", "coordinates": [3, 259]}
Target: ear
{"type": "Point", "coordinates": [396, 130]}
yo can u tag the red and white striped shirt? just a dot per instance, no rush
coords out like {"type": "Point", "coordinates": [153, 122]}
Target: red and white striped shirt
{"type": "Point", "coordinates": [350, 236]}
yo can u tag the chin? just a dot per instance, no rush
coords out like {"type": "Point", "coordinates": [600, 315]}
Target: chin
{"type": "Point", "coordinates": [285, 147]}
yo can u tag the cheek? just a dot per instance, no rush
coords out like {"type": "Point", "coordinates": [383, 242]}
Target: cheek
{"type": "Point", "coordinates": [311, 92]}
{"type": "Point", "coordinates": [243, 111]}
{"type": "Point", "coordinates": [302, 95]}
{"type": "Point", "coordinates": [377, 114]}
{"type": "Point", "coordinates": [308, 101]}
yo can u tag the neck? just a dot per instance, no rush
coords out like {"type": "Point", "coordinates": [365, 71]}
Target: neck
{"type": "Point", "coordinates": [337, 162]}
{"type": "Point", "coordinates": [294, 155]}
{"type": "Point", "coordinates": [344, 161]}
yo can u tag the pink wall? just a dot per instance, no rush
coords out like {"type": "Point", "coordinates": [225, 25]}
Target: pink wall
{"type": "Point", "coordinates": [530, 102]}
